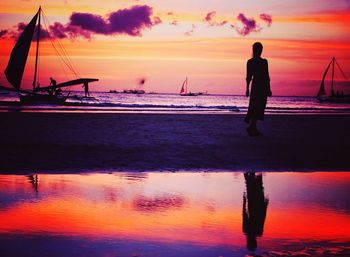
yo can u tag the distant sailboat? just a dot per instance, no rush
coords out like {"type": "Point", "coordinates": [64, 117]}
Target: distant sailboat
{"type": "Point", "coordinates": [336, 96]}
{"type": "Point", "coordinates": [184, 92]}
{"type": "Point", "coordinates": [15, 69]}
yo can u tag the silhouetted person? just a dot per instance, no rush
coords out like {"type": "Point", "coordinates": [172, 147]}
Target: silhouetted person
{"type": "Point", "coordinates": [58, 92]}
{"type": "Point", "coordinates": [53, 83]}
{"type": "Point", "coordinates": [258, 71]}
{"type": "Point", "coordinates": [86, 89]}
{"type": "Point", "coordinates": [254, 216]}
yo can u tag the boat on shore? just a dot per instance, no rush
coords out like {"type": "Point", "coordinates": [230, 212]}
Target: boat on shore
{"type": "Point", "coordinates": [51, 94]}
{"type": "Point", "coordinates": [336, 95]}
{"type": "Point", "coordinates": [184, 91]}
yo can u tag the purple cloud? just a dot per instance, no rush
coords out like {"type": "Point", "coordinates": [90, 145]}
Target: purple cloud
{"type": "Point", "coordinates": [190, 32]}
{"type": "Point", "coordinates": [209, 18]}
{"type": "Point", "coordinates": [126, 21]}
{"type": "Point", "coordinates": [58, 30]}
{"type": "Point", "coordinates": [14, 34]}
{"type": "Point", "coordinates": [157, 20]}
{"type": "Point", "coordinates": [266, 18]}
{"type": "Point", "coordinates": [131, 21]}
{"type": "Point", "coordinates": [249, 25]}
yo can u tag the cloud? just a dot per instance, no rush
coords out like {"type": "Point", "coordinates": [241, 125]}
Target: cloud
{"type": "Point", "coordinates": [174, 22]}
{"type": "Point", "coordinates": [249, 25]}
{"type": "Point", "coordinates": [159, 203]}
{"type": "Point", "coordinates": [209, 18]}
{"type": "Point", "coordinates": [132, 21]}
{"type": "Point", "coordinates": [156, 20]}
{"type": "Point", "coordinates": [14, 34]}
{"type": "Point", "coordinates": [266, 18]}
{"type": "Point", "coordinates": [126, 21]}
{"type": "Point", "coordinates": [190, 32]}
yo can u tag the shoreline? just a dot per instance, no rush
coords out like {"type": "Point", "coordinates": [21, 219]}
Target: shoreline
{"type": "Point", "coordinates": [84, 142]}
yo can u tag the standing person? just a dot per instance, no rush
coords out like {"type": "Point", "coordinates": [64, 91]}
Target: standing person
{"type": "Point", "coordinates": [53, 83]}
{"type": "Point", "coordinates": [86, 89]}
{"type": "Point", "coordinates": [258, 71]}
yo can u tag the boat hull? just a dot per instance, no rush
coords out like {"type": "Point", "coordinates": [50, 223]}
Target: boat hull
{"type": "Point", "coordinates": [190, 94]}
{"type": "Point", "coordinates": [335, 99]}
{"type": "Point", "coordinates": [42, 99]}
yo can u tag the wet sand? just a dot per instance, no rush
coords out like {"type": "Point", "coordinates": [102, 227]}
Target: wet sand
{"type": "Point", "coordinates": [73, 142]}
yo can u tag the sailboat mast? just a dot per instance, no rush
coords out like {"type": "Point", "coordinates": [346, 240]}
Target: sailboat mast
{"type": "Point", "coordinates": [333, 76]}
{"type": "Point", "coordinates": [37, 50]}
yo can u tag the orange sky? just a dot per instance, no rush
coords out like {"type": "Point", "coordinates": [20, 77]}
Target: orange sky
{"type": "Point", "coordinates": [299, 44]}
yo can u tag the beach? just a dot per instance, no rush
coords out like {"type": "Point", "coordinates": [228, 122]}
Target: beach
{"type": "Point", "coordinates": [74, 142]}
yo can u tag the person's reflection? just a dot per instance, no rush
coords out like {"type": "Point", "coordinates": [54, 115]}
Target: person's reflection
{"type": "Point", "coordinates": [33, 179]}
{"type": "Point", "coordinates": [254, 216]}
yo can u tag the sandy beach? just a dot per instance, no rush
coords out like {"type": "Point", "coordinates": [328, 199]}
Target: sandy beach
{"type": "Point", "coordinates": [77, 142]}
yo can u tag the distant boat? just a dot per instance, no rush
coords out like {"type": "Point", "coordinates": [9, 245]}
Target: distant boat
{"type": "Point", "coordinates": [15, 68]}
{"type": "Point", "coordinates": [82, 98]}
{"type": "Point", "coordinates": [336, 96]}
{"type": "Point", "coordinates": [134, 91]}
{"type": "Point", "coordinates": [184, 92]}
{"type": "Point", "coordinates": [113, 91]}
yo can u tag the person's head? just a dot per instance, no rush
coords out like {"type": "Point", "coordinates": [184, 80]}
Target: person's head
{"type": "Point", "coordinates": [257, 49]}
{"type": "Point", "coordinates": [51, 78]}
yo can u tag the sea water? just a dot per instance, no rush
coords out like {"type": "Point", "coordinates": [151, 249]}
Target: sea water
{"type": "Point", "coordinates": [121, 102]}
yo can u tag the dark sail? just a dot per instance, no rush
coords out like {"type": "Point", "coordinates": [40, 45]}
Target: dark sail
{"type": "Point", "coordinates": [322, 90]}
{"type": "Point", "coordinates": [15, 67]}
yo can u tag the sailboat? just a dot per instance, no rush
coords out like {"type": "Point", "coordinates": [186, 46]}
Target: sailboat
{"type": "Point", "coordinates": [336, 96]}
{"type": "Point", "coordinates": [15, 68]}
{"type": "Point", "coordinates": [184, 92]}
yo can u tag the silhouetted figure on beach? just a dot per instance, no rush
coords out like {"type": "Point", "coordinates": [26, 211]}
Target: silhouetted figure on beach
{"type": "Point", "coordinates": [254, 216]}
{"type": "Point", "coordinates": [258, 71]}
{"type": "Point", "coordinates": [53, 83]}
{"type": "Point", "coordinates": [86, 89]}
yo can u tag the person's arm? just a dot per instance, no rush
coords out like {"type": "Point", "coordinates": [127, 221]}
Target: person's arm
{"type": "Point", "coordinates": [248, 78]}
{"type": "Point", "coordinates": [269, 92]}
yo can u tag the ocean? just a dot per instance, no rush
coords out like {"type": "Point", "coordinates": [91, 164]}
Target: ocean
{"type": "Point", "coordinates": [170, 103]}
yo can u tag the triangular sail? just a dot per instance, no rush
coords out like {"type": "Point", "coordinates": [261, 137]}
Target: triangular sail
{"type": "Point", "coordinates": [322, 91]}
{"type": "Point", "coordinates": [15, 67]}
{"type": "Point", "coordinates": [184, 84]}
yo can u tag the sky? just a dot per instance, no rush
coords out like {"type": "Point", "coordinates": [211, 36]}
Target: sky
{"type": "Point", "coordinates": [209, 41]}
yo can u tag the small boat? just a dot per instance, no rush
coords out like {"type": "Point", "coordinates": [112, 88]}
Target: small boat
{"type": "Point", "coordinates": [336, 96]}
{"type": "Point", "coordinates": [84, 98]}
{"type": "Point", "coordinates": [184, 92]}
{"type": "Point", "coordinates": [15, 68]}
{"type": "Point", "coordinates": [134, 91]}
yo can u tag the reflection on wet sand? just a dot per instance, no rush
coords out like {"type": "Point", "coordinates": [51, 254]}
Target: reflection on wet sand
{"type": "Point", "coordinates": [254, 216]}
{"type": "Point", "coordinates": [175, 214]}
{"type": "Point", "coordinates": [159, 203]}
{"type": "Point", "coordinates": [33, 179]}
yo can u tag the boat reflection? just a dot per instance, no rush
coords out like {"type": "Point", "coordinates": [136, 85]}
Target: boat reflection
{"type": "Point", "coordinates": [33, 179]}
{"type": "Point", "coordinates": [254, 216]}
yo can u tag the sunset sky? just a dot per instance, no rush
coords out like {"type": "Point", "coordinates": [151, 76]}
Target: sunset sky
{"type": "Point", "coordinates": [209, 41]}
